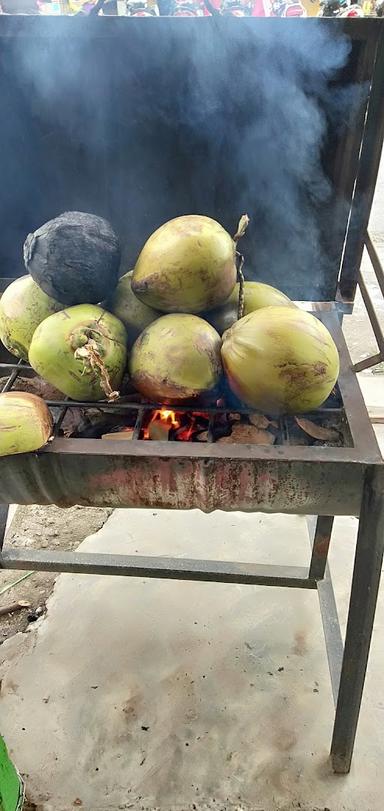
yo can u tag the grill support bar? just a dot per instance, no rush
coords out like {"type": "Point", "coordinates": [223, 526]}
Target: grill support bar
{"type": "Point", "coordinates": [320, 545]}
{"type": "Point", "coordinates": [214, 571]}
{"type": "Point", "coordinates": [347, 666]}
{"type": "Point", "coordinates": [320, 530]}
{"type": "Point", "coordinates": [361, 615]}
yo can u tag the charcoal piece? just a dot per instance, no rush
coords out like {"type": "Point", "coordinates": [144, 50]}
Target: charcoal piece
{"type": "Point", "coordinates": [259, 421]}
{"type": "Point", "coordinates": [74, 258]}
{"type": "Point", "coordinates": [202, 436]}
{"type": "Point", "coordinates": [90, 423]}
{"type": "Point", "coordinates": [247, 434]}
{"type": "Point", "coordinates": [233, 417]}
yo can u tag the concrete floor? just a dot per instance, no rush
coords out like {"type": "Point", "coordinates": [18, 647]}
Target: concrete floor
{"type": "Point", "coordinates": [144, 694]}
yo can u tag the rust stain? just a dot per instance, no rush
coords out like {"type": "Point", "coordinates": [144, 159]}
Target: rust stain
{"type": "Point", "coordinates": [300, 644]}
{"type": "Point", "coordinates": [322, 546]}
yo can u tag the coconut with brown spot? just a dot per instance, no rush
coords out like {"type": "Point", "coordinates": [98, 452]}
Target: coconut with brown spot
{"type": "Point", "coordinates": [186, 266]}
{"type": "Point", "coordinates": [134, 314]}
{"type": "Point", "coordinates": [25, 423]}
{"type": "Point", "coordinates": [256, 296]}
{"type": "Point", "coordinates": [280, 360]}
{"type": "Point", "coordinates": [82, 351]}
{"type": "Point", "coordinates": [176, 358]}
{"type": "Point", "coordinates": [23, 306]}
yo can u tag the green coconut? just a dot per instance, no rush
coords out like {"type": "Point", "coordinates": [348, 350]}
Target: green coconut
{"type": "Point", "coordinates": [187, 266]}
{"type": "Point", "coordinates": [82, 351]}
{"type": "Point", "coordinates": [134, 314]}
{"type": "Point", "coordinates": [256, 296]}
{"type": "Point", "coordinates": [280, 360]}
{"type": "Point", "coordinates": [23, 306]}
{"type": "Point", "coordinates": [176, 358]}
{"type": "Point", "coordinates": [25, 423]}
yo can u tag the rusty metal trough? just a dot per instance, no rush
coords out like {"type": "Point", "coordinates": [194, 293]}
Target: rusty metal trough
{"type": "Point", "coordinates": [315, 481]}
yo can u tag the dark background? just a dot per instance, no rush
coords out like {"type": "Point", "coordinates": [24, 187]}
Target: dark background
{"type": "Point", "coordinates": [141, 120]}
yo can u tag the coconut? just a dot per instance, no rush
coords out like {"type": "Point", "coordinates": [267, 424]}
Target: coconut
{"type": "Point", "coordinates": [25, 423]}
{"type": "Point", "coordinates": [256, 296]}
{"type": "Point", "coordinates": [74, 258]}
{"type": "Point", "coordinates": [23, 306]}
{"type": "Point", "coordinates": [176, 358]}
{"type": "Point", "coordinates": [82, 351]}
{"type": "Point", "coordinates": [187, 266]}
{"type": "Point", "coordinates": [134, 314]}
{"type": "Point", "coordinates": [280, 360]}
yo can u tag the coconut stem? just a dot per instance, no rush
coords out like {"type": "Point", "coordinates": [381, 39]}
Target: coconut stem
{"type": "Point", "coordinates": [241, 228]}
{"type": "Point", "coordinates": [240, 275]}
{"type": "Point", "coordinates": [89, 354]}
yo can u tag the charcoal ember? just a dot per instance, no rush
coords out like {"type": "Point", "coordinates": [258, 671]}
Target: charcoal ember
{"type": "Point", "coordinates": [74, 258]}
{"type": "Point", "coordinates": [247, 434]}
{"type": "Point", "coordinates": [36, 385]}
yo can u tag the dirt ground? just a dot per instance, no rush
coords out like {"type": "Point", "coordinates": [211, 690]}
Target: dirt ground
{"type": "Point", "coordinates": [41, 528]}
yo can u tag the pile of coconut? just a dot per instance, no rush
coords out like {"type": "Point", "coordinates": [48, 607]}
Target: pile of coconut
{"type": "Point", "coordinates": [180, 323]}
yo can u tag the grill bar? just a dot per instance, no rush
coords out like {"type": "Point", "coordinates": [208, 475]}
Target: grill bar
{"type": "Point", "coordinates": [138, 424]}
{"type": "Point", "coordinates": [16, 367]}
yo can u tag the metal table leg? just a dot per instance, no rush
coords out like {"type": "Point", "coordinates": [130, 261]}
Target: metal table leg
{"type": "Point", "coordinates": [3, 522]}
{"type": "Point", "coordinates": [365, 585]}
{"type": "Point", "coordinates": [320, 546]}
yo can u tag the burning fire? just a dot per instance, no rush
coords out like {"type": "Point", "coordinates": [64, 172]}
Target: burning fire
{"type": "Point", "coordinates": [163, 421]}
{"type": "Point", "coordinates": [167, 416]}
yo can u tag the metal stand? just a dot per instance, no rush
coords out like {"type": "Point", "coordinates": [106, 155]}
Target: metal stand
{"type": "Point", "coordinates": [362, 607]}
{"type": "Point", "coordinates": [347, 666]}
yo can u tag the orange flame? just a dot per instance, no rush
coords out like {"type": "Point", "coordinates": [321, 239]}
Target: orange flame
{"type": "Point", "coordinates": [167, 416]}
{"type": "Point", "coordinates": [164, 415]}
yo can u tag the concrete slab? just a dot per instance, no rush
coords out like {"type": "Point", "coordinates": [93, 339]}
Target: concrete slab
{"type": "Point", "coordinates": [145, 694]}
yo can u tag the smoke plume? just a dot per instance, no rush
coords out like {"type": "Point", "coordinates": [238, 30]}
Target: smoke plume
{"type": "Point", "coordinates": [165, 117]}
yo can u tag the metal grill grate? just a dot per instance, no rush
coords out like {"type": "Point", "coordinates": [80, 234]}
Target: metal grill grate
{"type": "Point", "coordinates": [137, 412]}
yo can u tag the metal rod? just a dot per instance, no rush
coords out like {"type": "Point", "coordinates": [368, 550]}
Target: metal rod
{"type": "Point", "coordinates": [210, 428]}
{"type": "Point", "coordinates": [11, 379]}
{"type": "Point", "coordinates": [369, 161]}
{"type": "Point", "coordinates": [331, 627]}
{"type": "Point", "coordinates": [60, 418]}
{"type": "Point", "coordinates": [138, 424]}
{"type": "Point", "coordinates": [4, 509]}
{"type": "Point", "coordinates": [375, 261]}
{"type": "Point", "coordinates": [367, 363]}
{"type": "Point", "coordinates": [322, 526]}
{"type": "Point", "coordinates": [22, 366]}
{"type": "Point", "coordinates": [320, 546]}
{"type": "Point", "coordinates": [375, 323]}
{"type": "Point", "coordinates": [362, 607]}
{"type": "Point", "coordinates": [216, 571]}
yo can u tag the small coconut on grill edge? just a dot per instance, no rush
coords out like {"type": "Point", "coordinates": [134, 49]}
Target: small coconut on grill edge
{"type": "Point", "coordinates": [74, 258]}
